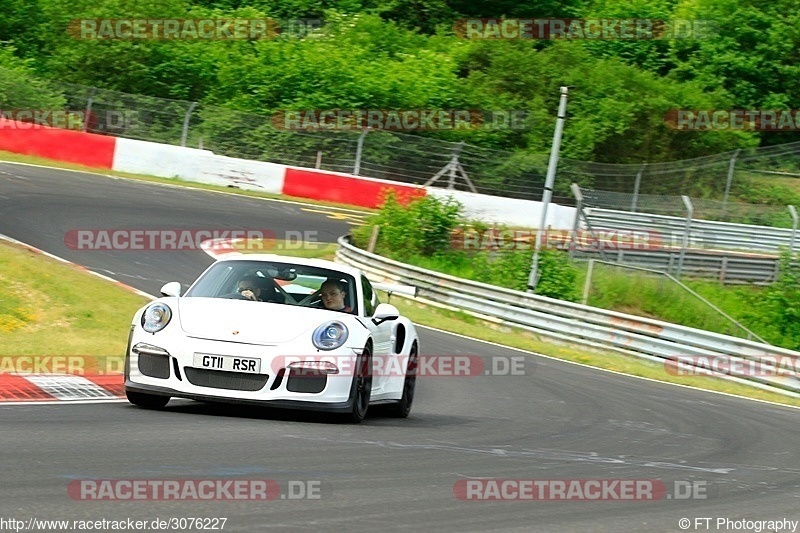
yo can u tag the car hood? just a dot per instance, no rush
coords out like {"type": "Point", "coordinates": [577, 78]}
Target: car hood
{"type": "Point", "coordinates": [249, 322]}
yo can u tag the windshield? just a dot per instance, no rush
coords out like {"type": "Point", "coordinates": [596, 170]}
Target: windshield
{"type": "Point", "coordinates": [274, 282]}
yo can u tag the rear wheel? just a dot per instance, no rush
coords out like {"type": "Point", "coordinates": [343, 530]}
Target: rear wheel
{"type": "Point", "coordinates": [403, 407]}
{"type": "Point", "coordinates": [362, 385]}
{"type": "Point", "coordinates": [147, 401]}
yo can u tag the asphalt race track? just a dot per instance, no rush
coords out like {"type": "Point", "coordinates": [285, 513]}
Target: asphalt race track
{"type": "Point", "coordinates": [555, 421]}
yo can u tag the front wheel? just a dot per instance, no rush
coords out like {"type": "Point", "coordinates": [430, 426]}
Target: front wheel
{"type": "Point", "coordinates": [402, 408]}
{"type": "Point", "coordinates": [147, 401]}
{"type": "Point", "coordinates": [362, 386]}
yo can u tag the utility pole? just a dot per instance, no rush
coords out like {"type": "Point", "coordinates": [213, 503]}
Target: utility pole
{"type": "Point", "coordinates": [533, 279]}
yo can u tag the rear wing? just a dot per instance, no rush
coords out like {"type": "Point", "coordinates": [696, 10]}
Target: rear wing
{"type": "Point", "coordinates": [407, 290]}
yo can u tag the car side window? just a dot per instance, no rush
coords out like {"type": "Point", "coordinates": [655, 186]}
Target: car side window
{"type": "Point", "coordinates": [370, 298]}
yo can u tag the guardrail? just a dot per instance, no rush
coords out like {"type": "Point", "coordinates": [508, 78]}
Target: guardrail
{"type": "Point", "coordinates": [702, 233]}
{"type": "Point", "coordinates": [725, 267]}
{"type": "Point", "coordinates": [590, 326]}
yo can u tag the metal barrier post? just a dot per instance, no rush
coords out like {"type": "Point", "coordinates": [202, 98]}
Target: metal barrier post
{"type": "Point", "coordinates": [88, 113]}
{"type": "Point", "coordinates": [359, 149]}
{"type": "Point", "coordinates": [731, 168]}
{"type": "Point", "coordinates": [185, 132]}
{"type": "Point", "coordinates": [636, 187]}
{"type": "Point", "coordinates": [793, 212]}
{"type": "Point", "coordinates": [576, 190]}
{"type": "Point", "coordinates": [588, 283]}
{"type": "Point", "coordinates": [689, 213]}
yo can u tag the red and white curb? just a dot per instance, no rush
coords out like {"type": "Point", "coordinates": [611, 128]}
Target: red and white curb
{"type": "Point", "coordinates": [47, 388]}
{"type": "Point", "coordinates": [217, 248]}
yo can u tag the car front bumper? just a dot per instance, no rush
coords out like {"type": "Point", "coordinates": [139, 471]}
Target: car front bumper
{"type": "Point", "coordinates": [166, 367]}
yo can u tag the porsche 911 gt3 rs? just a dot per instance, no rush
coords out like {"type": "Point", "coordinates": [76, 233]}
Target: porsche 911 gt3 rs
{"type": "Point", "coordinates": [255, 329]}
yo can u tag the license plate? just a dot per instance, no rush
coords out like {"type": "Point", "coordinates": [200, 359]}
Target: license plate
{"type": "Point", "coordinates": [228, 363]}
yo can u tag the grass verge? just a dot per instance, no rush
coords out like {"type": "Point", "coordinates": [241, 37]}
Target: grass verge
{"type": "Point", "coordinates": [48, 308]}
{"type": "Point", "coordinates": [654, 296]}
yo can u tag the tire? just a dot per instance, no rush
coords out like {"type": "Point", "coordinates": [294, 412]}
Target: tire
{"type": "Point", "coordinates": [147, 401]}
{"type": "Point", "coordinates": [402, 408]}
{"type": "Point", "coordinates": [362, 386]}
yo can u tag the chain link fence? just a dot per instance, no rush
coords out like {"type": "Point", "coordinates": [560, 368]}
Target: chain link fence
{"type": "Point", "coordinates": [424, 160]}
{"type": "Point", "coordinates": [715, 176]}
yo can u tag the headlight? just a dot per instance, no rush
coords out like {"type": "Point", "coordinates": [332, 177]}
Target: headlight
{"type": "Point", "coordinates": [156, 317]}
{"type": "Point", "coordinates": [329, 336]}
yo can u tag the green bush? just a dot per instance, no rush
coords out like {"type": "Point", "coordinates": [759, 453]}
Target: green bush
{"type": "Point", "coordinates": [782, 302]}
{"type": "Point", "coordinates": [421, 232]}
{"type": "Point", "coordinates": [421, 227]}
{"type": "Point", "coordinates": [557, 276]}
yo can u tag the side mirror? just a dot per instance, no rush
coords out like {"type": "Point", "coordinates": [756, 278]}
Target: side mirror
{"type": "Point", "coordinates": [385, 312]}
{"type": "Point", "coordinates": [173, 288]}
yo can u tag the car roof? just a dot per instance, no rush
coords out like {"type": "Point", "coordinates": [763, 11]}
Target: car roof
{"type": "Point", "coordinates": [305, 261]}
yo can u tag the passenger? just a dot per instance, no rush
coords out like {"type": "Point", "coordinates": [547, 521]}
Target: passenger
{"type": "Point", "coordinates": [333, 293]}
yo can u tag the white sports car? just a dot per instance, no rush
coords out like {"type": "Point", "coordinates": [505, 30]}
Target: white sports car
{"type": "Point", "coordinates": [275, 331]}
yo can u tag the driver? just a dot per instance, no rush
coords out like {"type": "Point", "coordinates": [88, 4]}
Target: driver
{"type": "Point", "coordinates": [252, 288]}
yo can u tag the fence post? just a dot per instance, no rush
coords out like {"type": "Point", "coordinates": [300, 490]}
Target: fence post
{"type": "Point", "coordinates": [636, 187]}
{"type": "Point", "coordinates": [185, 132]}
{"type": "Point", "coordinates": [373, 238]}
{"type": "Point", "coordinates": [452, 168]}
{"type": "Point", "coordinates": [731, 167]}
{"type": "Point", "coordinates": [89, 102]}
{"type": "Point", "coordinates": [576, 190]}
{"type": "Point", "coordinates": [451, 183]}
{"type": "Point", "coordinates": [588, 283]}
{"type": "Point", "coordinates": [359, 150]}
{"type": "Point", "coordinates": [793, 212]}
{"type": "Point", "coordinates": [689, 213]}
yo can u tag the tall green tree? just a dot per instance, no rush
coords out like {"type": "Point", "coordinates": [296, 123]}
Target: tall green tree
{"type": "Point", "coordinates": [755, 56]}
{"type": "Point", "coordinates": [20, 88]}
